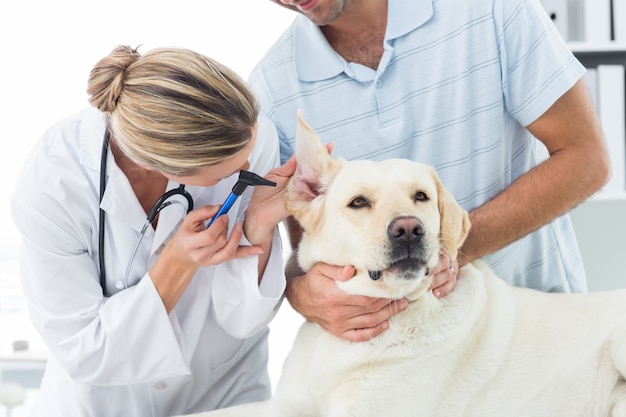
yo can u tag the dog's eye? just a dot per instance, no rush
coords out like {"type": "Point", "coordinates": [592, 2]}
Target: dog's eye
{"type": "Point", "coordinates": [359, 202]}
{"type": "Point", "coordinates": [420, 196]}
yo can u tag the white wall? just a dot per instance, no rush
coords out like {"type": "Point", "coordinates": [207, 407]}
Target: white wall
{"type": "Point", "coordinates": [47, 50]}
{"type": "Point", "coordinates": [49, 47]}
{"type": "Point", "coordinates": [600, 227]}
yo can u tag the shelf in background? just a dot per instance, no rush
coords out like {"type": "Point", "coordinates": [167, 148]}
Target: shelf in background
{"type": "Point", "coordinates": [601, 196]}
{"type": "Point", "coordinates": [593, 54]}
{"type": "Point", "coordinates": [597, 47]}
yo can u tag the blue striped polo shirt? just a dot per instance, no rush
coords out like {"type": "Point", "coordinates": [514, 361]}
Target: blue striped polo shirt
{"type": "Point", "coordinates": [457, 83]}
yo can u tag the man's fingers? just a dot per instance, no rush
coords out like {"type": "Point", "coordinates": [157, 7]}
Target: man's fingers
{"type": "Point", "coordinates": [364, 327]}
{"type": "Point", "coordinates": [337, 273]}
{"type": "Point", "coordinates": [445, 288]}
{"type": "Point", "coordinates": [364, 335]}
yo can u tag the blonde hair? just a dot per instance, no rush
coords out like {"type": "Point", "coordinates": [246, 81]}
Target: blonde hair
{"type": "Point", "coordinates": [173, 110]}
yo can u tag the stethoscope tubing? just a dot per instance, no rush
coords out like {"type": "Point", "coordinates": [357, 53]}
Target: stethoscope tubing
{"type": "Point", "coordinates": [101, 214]}
{"type": "Point", "coordinates": [246, 178]}
{"type": "Point", "coordinates": [159, 205]}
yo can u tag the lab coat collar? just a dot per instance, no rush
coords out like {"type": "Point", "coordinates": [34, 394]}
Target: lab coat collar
{"type": "Point", "coordinates": [119, 200]}
{"type": "Point", "coordinates": [116, 201]}
{"type": "Point", "coordinates": [403, 17]}
{"type": "Point", "coordinates": [91, 137]}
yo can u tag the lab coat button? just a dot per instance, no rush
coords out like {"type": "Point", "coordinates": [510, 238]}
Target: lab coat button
{"type": "Point", "coordinates": [379, 83]}
{"type": "Point", "coordinates": [160, 385]}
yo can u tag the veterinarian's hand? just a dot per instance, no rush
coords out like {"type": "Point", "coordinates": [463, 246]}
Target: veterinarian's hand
{"type": "Point", "coordinates": [317, 297]}
{"type": "Point", "coordinates": [444, 276]}
{"type": "Point", "coordinates": [266, 208]}
{"type": "Point", "coordinates": [193, 246]}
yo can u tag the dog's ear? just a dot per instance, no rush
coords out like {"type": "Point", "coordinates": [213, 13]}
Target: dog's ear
{"type": "Point", "coordinates": [455, 223]}
{"type": "Point", "coordinates": [314, 173]}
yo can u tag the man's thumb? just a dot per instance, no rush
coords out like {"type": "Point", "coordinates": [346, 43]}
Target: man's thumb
{"type": "Point", "coordinates": [346, 273]}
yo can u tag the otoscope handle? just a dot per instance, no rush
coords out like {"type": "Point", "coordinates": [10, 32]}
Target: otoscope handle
{"type": "Point", "coordinates": [246, 178]}
{"type": "Point", "coordinates": [228, 203]}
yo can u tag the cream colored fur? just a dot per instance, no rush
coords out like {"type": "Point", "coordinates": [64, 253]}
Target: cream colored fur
{"type": "Point", "coordinates": [485, 350]}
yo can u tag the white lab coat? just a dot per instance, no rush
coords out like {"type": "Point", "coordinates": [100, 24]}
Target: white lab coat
{"type": "Point", "coordinates": [123, 355]}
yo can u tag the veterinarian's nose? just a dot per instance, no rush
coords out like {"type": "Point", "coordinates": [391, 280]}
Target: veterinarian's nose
{"type": "Point", "coordinates": [406, 229]}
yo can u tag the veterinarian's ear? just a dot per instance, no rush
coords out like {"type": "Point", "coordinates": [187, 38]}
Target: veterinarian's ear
{"type": "Point", "coordinates": [455, 224]}
{"type": "Point", "coordinates": [315, 169]}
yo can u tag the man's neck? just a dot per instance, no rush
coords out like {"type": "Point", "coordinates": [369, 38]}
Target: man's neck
{"type": "Point", "coordinates": [358, 34]}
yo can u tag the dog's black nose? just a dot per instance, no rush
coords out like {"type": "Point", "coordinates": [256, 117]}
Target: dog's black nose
{"type": "Point", "coordinates": [406, 230]}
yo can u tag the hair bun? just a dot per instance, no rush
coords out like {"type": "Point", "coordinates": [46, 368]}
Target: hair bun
{"type": "Point", "coordinates": [106, 80]}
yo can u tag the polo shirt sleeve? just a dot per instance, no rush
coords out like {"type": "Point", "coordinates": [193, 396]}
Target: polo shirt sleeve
{"type": "Point", "coordinates": [537, 68]}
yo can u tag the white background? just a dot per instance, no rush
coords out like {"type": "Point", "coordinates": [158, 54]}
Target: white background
{"type": "Point", "coordinates": [47, 50]}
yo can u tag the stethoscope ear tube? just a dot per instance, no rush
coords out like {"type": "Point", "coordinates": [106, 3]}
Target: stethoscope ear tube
{"type": "Point", "coordinates": [161, 203]}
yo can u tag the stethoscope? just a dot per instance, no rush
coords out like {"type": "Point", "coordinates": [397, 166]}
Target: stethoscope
{"type": "Point", "coordinates": [159, 205]}
{"type": "Point", "coordinates": [246, 178]}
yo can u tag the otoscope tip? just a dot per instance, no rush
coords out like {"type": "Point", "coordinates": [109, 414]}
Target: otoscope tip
{"type": "Point", "coordinates": [250, 178]}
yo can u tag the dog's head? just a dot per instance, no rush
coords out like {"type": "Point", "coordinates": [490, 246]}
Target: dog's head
{"type": "Point", "coordinates": [388, 219]}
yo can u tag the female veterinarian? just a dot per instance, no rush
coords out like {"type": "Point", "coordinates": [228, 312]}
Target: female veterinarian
{"type": "Point", "coordinates": [171, 319]}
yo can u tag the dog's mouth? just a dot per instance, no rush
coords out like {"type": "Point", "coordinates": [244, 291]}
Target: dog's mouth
{"type": "Point", "coordinates": [405, 268]}
{"type": "Point", "coordinates": [407, 250]}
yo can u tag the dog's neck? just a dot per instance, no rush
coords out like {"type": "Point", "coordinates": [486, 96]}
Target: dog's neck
{"type": "Point", "coordinates": [432, 320]}
{"type": "Point", "coordinates": [421, 291]}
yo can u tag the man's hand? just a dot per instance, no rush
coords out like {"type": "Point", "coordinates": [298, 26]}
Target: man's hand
{"type": "Point", "coordinates": [444, 275]}
{"type": "Point", "coordinates": [317, 297]}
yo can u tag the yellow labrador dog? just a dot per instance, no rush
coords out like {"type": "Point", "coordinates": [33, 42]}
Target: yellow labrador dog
{"type": "Point", "coordinates": [485, 350]}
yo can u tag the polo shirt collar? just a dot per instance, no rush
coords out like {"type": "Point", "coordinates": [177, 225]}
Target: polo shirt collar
{"type": "Point", "coordinates": [316, 60]}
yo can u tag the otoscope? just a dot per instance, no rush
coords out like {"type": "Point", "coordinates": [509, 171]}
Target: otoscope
{"type": "Point", "coordinates": [245, 178]}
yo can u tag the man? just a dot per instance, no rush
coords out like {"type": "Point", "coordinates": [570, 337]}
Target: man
{"type": "Point", "coordinates": [466, 86]}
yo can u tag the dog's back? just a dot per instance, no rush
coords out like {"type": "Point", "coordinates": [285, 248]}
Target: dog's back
{"type": "Point", "coordinates": [485, 350]}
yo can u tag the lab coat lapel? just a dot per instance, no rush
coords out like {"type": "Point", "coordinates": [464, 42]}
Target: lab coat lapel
{"type": "Point", "coordinates": [124, 219]}
{"type": "Point", "coordinates": [119, 200]}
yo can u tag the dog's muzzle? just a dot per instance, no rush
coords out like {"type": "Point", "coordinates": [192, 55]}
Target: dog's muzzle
{"type": "Point", "coordinates": [407, 252]}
